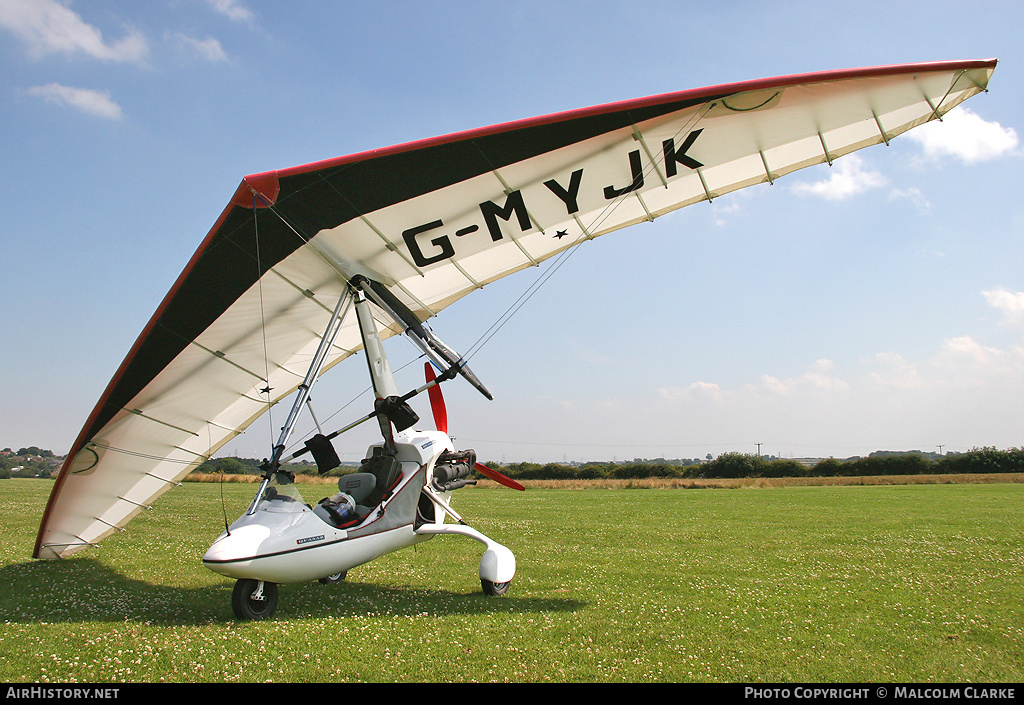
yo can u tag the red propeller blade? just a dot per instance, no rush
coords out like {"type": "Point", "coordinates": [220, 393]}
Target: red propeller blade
{"type": "Point", "coordinates": [441, 422]}
{"type": "Point", "coordinates": [436, 400]}
{"type": "Point", "coordinates": [498, 477]}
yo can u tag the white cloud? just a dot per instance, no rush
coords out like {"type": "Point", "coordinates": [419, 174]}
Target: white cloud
{"type": "Point", "coordinates": [698, 391]}
{"type": "Point", "coordinates": [208, 49]}
{"type": "Point", "coordinates": [961, 134]}
{"type": "Point", "coordinates": [847, 177]}
{"type": "Point", "coordinates": [964, 362]}
{"type": "Point", "coordinates": [895, 371]}
{"type": "Point", "coordinates": [961, 362]}
{"type": "Point", "coordinates": [817, 378]}
{"type": "Point", "coordinates": [914, 195]}
{"type": "Point", "coordinates": [964, 393]}
{"type": "Point", "coordinates": [1010, 303]}
{"type": "Point", "coordinates": [49, 27]}
{"type": "Point", "coordinates": [966, 136]}
{"type": "Point", "coordinates": [88, 101]}
{"type": "Point", "coordinates": [232, 9]}
{"type": "Point", "coordinates": [720, 211]}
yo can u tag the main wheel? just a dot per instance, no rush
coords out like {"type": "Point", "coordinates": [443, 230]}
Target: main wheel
{"type": "Point", "coordinates": [491, 588]}
{"type": "Point", "coordinates": [254, 599]}
{"type": "Point", "coordinates": [336, 578]}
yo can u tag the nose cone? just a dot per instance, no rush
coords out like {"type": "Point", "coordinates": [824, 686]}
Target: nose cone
{"type": "Point", "coordinates": [234, 550]}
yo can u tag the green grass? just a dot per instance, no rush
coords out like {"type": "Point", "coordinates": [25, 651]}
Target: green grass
{"type": "Point", "coordinates": [919, 583]}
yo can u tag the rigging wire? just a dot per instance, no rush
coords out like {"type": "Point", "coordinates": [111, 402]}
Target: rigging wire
{"type": "Point", "coordinates": [564, 255]}
{"type": "Point", "coordinates": [559, 260]}
{"type": "Point", "coordinates": [263, 318]}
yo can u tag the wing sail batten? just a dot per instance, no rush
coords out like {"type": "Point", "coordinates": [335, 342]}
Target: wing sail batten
{"type": "Point", "coordinates": [435, 220]}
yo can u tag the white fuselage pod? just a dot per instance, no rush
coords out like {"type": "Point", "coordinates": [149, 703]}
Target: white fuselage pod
{"type": "Point", "coordinates": [285, 541]}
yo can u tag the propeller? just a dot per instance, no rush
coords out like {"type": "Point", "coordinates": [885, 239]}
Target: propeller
{"type": "Point", "coordinates": [498, 477]}
{"type": "Point", "coordinates": [440, 411]}
{"type": "Point", "coordinates": [436, 400]}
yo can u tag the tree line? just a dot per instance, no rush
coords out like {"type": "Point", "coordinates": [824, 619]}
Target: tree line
{"type": "Point", "coordinates": [727, 465]}
{"type": "Point", "coordinates": [744, 465]}
{"type": "Point", "coordinates": [27, 462]}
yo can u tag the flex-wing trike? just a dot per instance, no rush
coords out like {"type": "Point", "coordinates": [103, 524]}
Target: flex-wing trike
{"type": "Point", "coordinates": [399, 497]}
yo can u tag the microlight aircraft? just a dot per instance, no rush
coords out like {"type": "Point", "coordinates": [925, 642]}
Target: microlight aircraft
{"type": "Point", "coordinates": [308, 266]}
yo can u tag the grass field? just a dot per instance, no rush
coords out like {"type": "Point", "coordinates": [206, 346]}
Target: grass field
{"type": "Point", "coordinates": [915, 583]}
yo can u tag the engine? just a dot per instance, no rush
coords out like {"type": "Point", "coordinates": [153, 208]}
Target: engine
{"type": "Point", "coordinates": [452, 469]}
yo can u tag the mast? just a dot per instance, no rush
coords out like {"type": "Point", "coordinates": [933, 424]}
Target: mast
{"type": "Point", "coordinates": [381, 376]}
{"type": "Point", "coordinates": [272, 465]}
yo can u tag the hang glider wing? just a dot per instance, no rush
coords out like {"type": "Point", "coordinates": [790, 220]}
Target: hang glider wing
{"type": "Point", "coordinates": [432, 221]}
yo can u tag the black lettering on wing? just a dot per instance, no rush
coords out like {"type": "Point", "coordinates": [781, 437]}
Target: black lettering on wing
{"type": "Point", "coordinates": [443, 242]}
{"type": "Point", "coordinates": [514, 205]}
{"type": "Point", "coordinates": [636, 167]}
{"type": "Point", "coordinates": [673, 157]}
{"type": "Point", "coordinates": [569, 195]}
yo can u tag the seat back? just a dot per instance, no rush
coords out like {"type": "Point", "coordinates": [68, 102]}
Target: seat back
{"type": "Point", "coordinates": [387, 471]}
{"type": "Point", "coordinates": [358, 485]}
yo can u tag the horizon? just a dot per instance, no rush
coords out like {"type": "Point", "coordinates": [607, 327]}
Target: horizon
{"type": "Point", "coordinates": [594, 461]}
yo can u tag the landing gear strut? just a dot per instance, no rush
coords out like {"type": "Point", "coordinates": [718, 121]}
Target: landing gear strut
{"type": "Point", "coordinates": [254, 599]}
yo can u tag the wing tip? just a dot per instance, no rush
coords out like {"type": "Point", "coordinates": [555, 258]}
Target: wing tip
{"type": "Point", "coordinates": [257, 191]}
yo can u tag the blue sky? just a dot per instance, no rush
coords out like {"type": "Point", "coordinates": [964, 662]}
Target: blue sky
{"type": "Point", "coordinates": [876, 304]}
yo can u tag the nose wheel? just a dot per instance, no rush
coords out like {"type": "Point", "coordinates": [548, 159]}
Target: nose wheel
{"type": "Point", "coordinates": [254, 599]}
{"type": "Point", "coordinates": [492, 588]}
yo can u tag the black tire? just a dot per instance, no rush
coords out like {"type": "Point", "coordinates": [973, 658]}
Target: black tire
{"type": "Point", "coordinates": [494, 588]}
{"type": "Point", "coordinates": [246, 606]}
{"type": "Point", "coordinates": [336, 578]}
